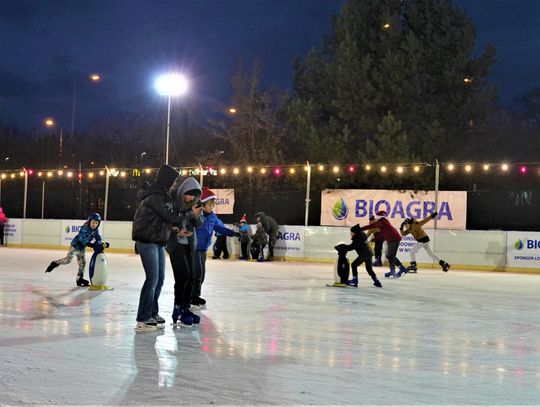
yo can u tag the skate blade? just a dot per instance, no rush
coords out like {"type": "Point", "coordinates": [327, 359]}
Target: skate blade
{"type": "Point", "coordinates": [146, 328]}
{"type": "Point", "coordinates": [339, 285]}
{"type": "Point", "coordinates": [100, 288]}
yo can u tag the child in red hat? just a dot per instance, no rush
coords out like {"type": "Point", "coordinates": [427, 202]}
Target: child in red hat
{"type": "Point", "coordinates": [245, 237]}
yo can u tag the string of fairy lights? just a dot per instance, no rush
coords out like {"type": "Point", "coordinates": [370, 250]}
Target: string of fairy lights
{"type": "Point", "coordinates": [278, 170]}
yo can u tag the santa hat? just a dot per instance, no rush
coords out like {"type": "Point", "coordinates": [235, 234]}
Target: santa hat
{"type": "Point", "coordinates": [243, 219]}
{"type": "Point", "coordinates": [382, 214]}
{"type": "Point", "coordinates": [207, 194]}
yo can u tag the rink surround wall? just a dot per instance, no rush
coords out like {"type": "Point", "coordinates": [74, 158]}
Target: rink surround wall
{"type": "Point", "coordinates": [464, 249]}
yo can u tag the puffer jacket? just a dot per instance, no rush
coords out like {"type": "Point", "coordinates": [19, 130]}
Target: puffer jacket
{"type": "Point", "coordinates": [154, 215]}
{"type": "Point", "coordinates": [204, 233]}
{"type": "Point", "coordinates": [260, 237]}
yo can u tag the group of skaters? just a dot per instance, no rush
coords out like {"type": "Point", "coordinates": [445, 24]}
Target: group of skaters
{"type": "Point", "coordinates": [174, 214]}
{"type": "Point", "coordinates": [380, 230]}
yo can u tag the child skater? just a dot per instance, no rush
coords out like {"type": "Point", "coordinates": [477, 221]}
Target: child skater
{"type": "Point", "coordinates": [260, 240]}
{"type": "Point", "coordinates": [392, 238]}
{"type": "Point", "coordinates": [88, 233]}
{"type": "Point", "coordinates": [414, 227]}
{"type": "Point", "coordinates": [204, 239]}
{"type": "Point", "coordinates": [181, 247]}
{"type": "Point", "coordinates": [245, 237]}
{"type": "Point", "coordinates": [359, 243]}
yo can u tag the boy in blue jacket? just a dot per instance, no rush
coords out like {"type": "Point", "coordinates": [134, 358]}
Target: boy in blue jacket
{"type": "Point", "coordinates": [88, 236]}
{"type": "Point", "coordinates": [204, 239]}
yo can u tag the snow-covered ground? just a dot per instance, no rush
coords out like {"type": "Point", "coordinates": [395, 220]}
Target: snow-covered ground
{"type": "Point", "coordinates": [272, 333]}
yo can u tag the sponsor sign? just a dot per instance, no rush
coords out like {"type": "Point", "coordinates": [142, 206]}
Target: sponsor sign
{"type": "Point", "coordinates": [224, 201]}
{"type": "Point", "coordinates": [523, 249]}
{"type": "Point", "coordinates": [70, 228]}
{"type": "Point", "coordinates": [347, 207]}
{"type": "Point", "coordinates": [290, 241]}
{"type": "Point", "coordinates": [13, 231]}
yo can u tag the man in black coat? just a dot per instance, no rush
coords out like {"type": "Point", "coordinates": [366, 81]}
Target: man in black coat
{"type": "Point", "coordinates": [271, 228]}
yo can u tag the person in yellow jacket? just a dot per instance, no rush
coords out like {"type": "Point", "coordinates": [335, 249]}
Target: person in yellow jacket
{"type": "Point", "coordinates": [414, 227]}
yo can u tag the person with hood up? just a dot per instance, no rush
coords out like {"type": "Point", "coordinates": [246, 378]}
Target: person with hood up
{"type": "Point", "coordinates": [271, 228]}
{"type": "Point", "coordinates": [181, 246]}
{"type": "Point", "coordinates": [88, 236]}
{"type": "Point", "coordinates": [154, 217]}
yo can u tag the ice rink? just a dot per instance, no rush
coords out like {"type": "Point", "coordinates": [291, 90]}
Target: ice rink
{"type": "Point", "coordinates": [272, 333]}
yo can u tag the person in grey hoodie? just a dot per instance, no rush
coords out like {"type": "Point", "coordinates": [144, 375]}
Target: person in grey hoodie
{"type": "Point", "coordinates": [181, 245]}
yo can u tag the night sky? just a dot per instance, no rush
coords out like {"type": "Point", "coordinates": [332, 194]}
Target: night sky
{"type": "Point", "coordinates": [47, 44]}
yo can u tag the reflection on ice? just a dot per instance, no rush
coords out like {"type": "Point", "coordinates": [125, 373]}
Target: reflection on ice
{"type": "Point", "coordinates": [272, 333]}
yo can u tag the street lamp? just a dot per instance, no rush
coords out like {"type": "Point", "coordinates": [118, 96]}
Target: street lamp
{"type": "Point", "coordinates": [172, 84]}
{"type": "Point", "coordinates": [50, 123]}
{"type": "Point", "coordinates": [94, 78]}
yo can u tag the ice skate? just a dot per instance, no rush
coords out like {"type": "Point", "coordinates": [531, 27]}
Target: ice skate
{"type": "Point", "coordinates": [390, 274]}
{"type": "Point", "coordinates": [81, 282]}
{"type": "Point", "coordinates": [353, 282]}
{"type": "Point", "coordinates": [198, 302]}
{"type": "Point", "coordinates": [54, 264]}
{"type": "Point", "coordinates": [148, 325]}
{"type": "Point", "coordinates": [377, 262]}
{"type": "Point", "coordinates": [159, 319]}
{"type": "Point", "coordinates": [445, 266]}
{"type": "Point", "coordinates": [412, 267]}
{"type": "Point", "coordinates": [195, 319]}
{"type": "Point", "coordinates": [377, 283]}
{"type": "Point", "coordinates": [402, 271]}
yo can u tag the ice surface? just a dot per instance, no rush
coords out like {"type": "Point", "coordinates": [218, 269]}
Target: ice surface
{"type": "Point", "coordinates": [272, 333]}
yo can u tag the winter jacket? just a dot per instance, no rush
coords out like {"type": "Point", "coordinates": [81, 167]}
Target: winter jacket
{"type": "Point", "coordinates": [359, 243]}
{"type": "Point", "coordinates": [268, 223]}
{"type": "Point", "coordinates": [204, 232]}
{"type": "Point", "coordinates": [3, 219]}
{"type": "Point", "coordinates": [260, 238]}
{"type": "Point", "coordinates": [245, 233]}
{"type": "Point", "coordinates": [85, 237]}
{"type": "Point", "coordinates": [154, 215]}
{"type": "Point", "coordinates": [415, 229]}
{"type": "Point", "coordinates": [387, 231]}
{"type": "Point", "coordinates": [190, 221]}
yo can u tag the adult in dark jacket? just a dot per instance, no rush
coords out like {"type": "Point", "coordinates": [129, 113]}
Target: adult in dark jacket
{"type": "Point", "coordinates": [271, 228]}
{"type": "Point", "coordinates": [181, 246]}
{"type": "Point", "coordinates": [151, 229]}
{"type": "Point", "coordinates": [360, 245]}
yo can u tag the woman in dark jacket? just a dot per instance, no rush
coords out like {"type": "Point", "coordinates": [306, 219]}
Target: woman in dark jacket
{"type": "Point", "coordinates": [151, 229]}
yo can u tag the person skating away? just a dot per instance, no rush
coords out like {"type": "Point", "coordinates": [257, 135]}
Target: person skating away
{"type": "Point", "coordinates": [360, 244]}
{"type": "Point", "coordinates": [260, 240]}
{"type": "Point", "coordinates": [392, 238]}
{"type": "Point", "coordinates": [151, 228]}
{"type": "Point", "coordinates": [220, 246]}
{"type": "Point", "coordinates": [204, 239]}
{"type": "Point", "coordinates": [3, 221]}
{"type": "Point", "coordinates": [88, 236]}
{"type": "Point", "coordinates": [271, 228]}
{"type": "Point", "coordinates": [414, 227]}
{"type": "Point", "coordinates": [245, 237]}
{"type": "Point", "coordinates": [378, 241]}
{"type": "Point", "coordinates": [181, 246]}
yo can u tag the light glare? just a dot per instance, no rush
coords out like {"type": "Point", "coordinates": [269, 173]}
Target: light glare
{"type": "Point", "coordinates": [172, 84]}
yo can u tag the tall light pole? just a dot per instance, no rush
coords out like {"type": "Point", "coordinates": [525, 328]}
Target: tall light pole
{"type": "Point", "coordinates": [171, 84]}
{"type": "Point", "coordinates": [94, 78]}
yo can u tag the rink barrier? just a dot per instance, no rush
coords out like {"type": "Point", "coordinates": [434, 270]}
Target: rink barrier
{"type": "Point", "coordinates": [499, 251]}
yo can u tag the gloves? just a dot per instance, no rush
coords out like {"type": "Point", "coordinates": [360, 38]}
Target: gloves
{"type": "Point", "coordinates": [434, 214]}
{"type": "Point", "coordinates": [236, 234]}
{"type": "Point", "coordinates": [92, 245]}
